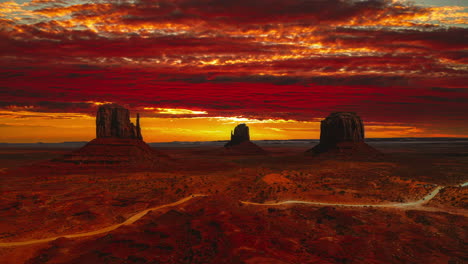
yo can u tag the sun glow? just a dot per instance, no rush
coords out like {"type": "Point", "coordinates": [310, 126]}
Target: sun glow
{"type": "Point", "coordinates": [241, 119]}
{"type": "Point", "coordinates": [175, 111]}
{"type": "Point", "coordinates": [29, 126]}
{"type": "Point", "coordinates": [98, 103]}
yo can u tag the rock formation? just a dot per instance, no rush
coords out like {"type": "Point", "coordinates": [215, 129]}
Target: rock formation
{"type": "Point", "coordinates": [114, 121]}
{"type": "Point", "coordinates": [342, 133]}
{"type": "Point", "coordinates": [341, 127]}
{"type": "Point", "coordinates": [240, 143]}
{"type": "Point", "coordinates": [239, 135]}
{"type": "Point", "coordinates": [117, 142]}
{"type": "Point", "coordinates": [138, 128]}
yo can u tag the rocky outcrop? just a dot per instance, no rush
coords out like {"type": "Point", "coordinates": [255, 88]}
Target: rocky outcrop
{"type": "Point", "coordinates": [115, 152]}
{"type": "Point", "coordinates": [240, 143]}
{"type": "Point", "coordinates": [244, 148]}
{"type": "Point", "coordinates": [341, 127]}
{"type": "Point", "coordinates": [113, 121]}
{"type": "Point", "coordinates": [138, 128]}
{"type": "Point", "coordinates": [118, 142]}
{"type": "Point", "coordinates": [239, 135]}
{"type": "Point", "coordinates": [342, 133]}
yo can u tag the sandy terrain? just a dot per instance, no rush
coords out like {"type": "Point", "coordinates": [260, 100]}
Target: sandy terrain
{"type": "Point", "coordinates": [40, 202]}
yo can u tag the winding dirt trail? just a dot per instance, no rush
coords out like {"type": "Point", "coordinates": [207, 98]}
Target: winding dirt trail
{"type": "Point", "coordinates": [409, 205]}
{"type": "Point", "coordinates": [423, 200]}
{"type": "Point", "coordinates": [139, 215]}
{"type": "Point", "coordinates": [129, 221]}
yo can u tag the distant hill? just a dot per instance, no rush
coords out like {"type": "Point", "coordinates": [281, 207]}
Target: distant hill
{"type": "Point", "coordinates": [71, 144]}
{"type": "Point", "coordinates": [79, 144]}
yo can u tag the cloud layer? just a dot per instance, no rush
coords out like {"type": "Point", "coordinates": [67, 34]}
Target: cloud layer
{"type": "Point", "coordinates": [390, 61]}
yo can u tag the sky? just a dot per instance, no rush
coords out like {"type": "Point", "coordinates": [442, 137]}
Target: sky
{"type": "Point", "coordinates": [194, 69]}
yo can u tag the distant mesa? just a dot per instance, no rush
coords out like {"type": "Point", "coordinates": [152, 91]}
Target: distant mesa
{"type": "Point", "coordinates": [341, 127]}
{"type": "Point", "coordinates": [239, 135]}
{"type": "Point", "coordinates": [240, 143]}
{"type": "Point", "coordinates": [342, 133]}
{"type": "Point", "coordinates": [113, 121]}
{"type": "Point", "coordinates": [118, 141]}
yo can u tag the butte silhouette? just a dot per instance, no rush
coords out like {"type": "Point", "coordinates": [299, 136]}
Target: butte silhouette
{"type": "Point", "coordinates": [118, 142]}
{"type": "Point", "coordinates": [240, 143]}
{"type": "Point", "coordinates": [342, 135]}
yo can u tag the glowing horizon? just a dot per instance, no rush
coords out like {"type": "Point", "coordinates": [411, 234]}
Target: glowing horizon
{"type": "Point", "coordinates": [63, 127]}
{"type": "Point", "coordinates": [401, 65]}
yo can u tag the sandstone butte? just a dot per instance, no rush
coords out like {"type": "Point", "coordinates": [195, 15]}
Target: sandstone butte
{"type": "Point", "coordinates": [342, 134]}
{"type": "Point", "coordinates": [240, 143]}
{"type": "Point", "coordinates": [118, 141]}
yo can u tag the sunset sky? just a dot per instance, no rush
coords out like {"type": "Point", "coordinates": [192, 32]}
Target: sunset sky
{"type": "Point", "coordinates": [194, 69]}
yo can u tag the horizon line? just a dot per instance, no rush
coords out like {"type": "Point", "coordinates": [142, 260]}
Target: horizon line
{"type": "Point", "coordinates": [305, 139]}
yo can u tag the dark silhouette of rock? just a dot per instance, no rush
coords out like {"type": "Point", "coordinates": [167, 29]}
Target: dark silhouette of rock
{"type": "Point", "coordinates": [114, 121]}
{"type": "Point", "coordinates": [240, 143]}
{"type": "Point", "coordinates": [245, 148]}
{"type": "Point", "coordinates": [239, 135]}
{"type": "Point", "coordinates": [342, 133]}
{"type": "Point", "coordinates": [115, 151]}
{"type": "Point", "coordinates": [138, 128]}
{"type": "Point", "coordinates": [341, 127]}
{"type": "Point", "coordinates": [117, 142]}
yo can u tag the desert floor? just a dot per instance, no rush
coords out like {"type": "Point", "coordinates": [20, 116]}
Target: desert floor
{"type": "Point", "coordinates": [202, 206]}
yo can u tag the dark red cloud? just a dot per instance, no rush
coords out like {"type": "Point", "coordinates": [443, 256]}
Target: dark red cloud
{"type": "Point", "coordinates": [241, 11]}
{"type": "Point", "coordinates": [294, 59]}
{"type": "Point", "coordinates": [68, 90]}
{"type": "Point", "coordinates": [447, 39]}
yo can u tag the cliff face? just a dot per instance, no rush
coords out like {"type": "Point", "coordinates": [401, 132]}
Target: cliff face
{"type": "Point", "coordinates": [138, 128]}
{"type": "Point", "coordinates": [341, 127]}
{"type": "Point", "coordinates": [239, 135]}
{"type": "Point", "coordinates": [113, 121]}
{"type": "Point", "coordinates": [118, 142]}
{"type": "Point", "coordinates": [342, 134]}
{"type": "Point", "coordinates": [240, 143]}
